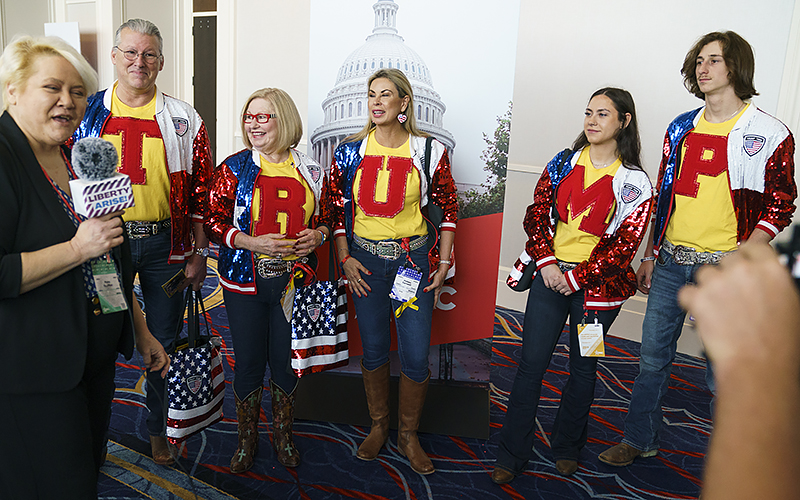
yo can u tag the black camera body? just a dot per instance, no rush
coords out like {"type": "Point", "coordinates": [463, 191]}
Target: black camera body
{"type": "Point", "coordinates": [790, 254]}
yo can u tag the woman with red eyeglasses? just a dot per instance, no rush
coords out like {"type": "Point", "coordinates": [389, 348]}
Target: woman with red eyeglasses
{"type": "Point", "coordinates": [262, 206]}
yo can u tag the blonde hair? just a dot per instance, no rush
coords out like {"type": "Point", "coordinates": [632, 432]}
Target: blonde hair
{"type": "Point", "coordinates": [290, 125]}
{"type": "Point", "coordinates": [16, 63]}
{"type": "Point", "coordinates": [403, 86]}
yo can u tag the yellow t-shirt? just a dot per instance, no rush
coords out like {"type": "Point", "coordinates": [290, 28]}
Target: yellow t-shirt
{"type": "Point", "coordinates": [283, 203]}
{"type": "Point", "coordinates": [703, 215]}
{"type": "Point", "coordinates": [584, 212]}
{"type": "Point", "coordinates": [386, 191]}
{"type": "Point", "coordinates": [135, 134]}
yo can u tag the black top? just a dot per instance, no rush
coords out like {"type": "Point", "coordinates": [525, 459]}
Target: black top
{"type": "Point", "coordinates": [43, 333]}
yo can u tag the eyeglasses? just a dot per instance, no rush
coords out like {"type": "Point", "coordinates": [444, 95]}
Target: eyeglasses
{"type": "Point", "coordinates": [132, 55]}
{"type": "Point", "coordinates": [260, 118]}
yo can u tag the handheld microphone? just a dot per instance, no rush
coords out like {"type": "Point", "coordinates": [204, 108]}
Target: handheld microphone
{"type": "Point", "coordinates": [100, 189]}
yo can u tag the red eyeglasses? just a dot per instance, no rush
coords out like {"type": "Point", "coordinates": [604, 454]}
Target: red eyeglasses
{"type": "Point", "coordinates": [260, 117]}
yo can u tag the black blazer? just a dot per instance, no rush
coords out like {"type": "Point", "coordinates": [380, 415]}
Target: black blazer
{"type": "Point", "coordinates": [43, 333]}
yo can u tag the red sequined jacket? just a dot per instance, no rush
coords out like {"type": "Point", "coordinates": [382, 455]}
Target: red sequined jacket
{"type": "Point", "coordinates": [606, 276]}
{"type": "Point", "coordinates": [760, 169]}
{"type": "Point", "coordinates": [230, 211]}
{"type": "Point", "coordinates": [188, 155]}
{"type": "Point", "coordinates": [337, 205]}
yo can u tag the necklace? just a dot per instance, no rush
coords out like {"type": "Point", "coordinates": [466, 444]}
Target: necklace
{"type": "Point", "coordinates": [604, 165]}
{"type": "Point", "coordinates": [743, 104]}
{"type": "Point", "coordinates": [735, 112]}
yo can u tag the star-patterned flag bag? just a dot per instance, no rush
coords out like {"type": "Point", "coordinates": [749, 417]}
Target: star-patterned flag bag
{"type": "Point", "coordinates": [319, 324]}
{"type": "Point", "coordinates": [196, 381]}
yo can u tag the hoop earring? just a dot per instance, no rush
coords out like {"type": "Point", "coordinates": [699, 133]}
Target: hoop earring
{"type": "Point", "coordinates": [402, 117]}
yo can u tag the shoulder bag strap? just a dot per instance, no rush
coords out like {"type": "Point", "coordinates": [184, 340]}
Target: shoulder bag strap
{"type": "Point", "coordinates": [427, 163]}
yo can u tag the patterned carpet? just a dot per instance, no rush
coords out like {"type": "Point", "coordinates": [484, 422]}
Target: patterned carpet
{"type": "Point", "coordinates": [330, 470]}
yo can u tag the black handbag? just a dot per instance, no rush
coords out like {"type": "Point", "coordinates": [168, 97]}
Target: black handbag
{"type": "Point", "coordinates": [521, 275]}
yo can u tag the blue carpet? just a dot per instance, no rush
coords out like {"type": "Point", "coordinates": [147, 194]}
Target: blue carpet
{"type": "Point", "coordinates": [330, 469]}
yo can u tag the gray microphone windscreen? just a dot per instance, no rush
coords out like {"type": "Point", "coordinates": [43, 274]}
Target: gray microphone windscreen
{"type": "Point", "coordinates": [94, 158]}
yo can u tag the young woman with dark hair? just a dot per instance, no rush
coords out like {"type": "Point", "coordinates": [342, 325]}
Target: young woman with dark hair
{"type": "Point", "coordinates": [590, 208]}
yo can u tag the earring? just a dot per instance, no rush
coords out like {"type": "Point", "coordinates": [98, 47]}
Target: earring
{"type": "Point", "coordinates": [402, 117]}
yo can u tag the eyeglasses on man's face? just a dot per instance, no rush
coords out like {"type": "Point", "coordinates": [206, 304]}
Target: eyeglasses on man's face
{"type": "Point", "coordinates": [260, 117]}
{"type": "Point", "coordinates": [132, 55]}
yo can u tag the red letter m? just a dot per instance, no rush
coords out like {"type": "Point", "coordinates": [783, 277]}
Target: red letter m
{"type": "Point", "coordinates": [598, 198]}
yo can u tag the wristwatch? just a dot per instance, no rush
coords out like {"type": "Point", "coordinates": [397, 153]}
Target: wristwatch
{"type": "Point", "coordinates": [202, 252]}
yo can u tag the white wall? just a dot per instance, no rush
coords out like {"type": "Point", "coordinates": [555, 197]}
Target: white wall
{"type": "Point", "coordinates": [571, 48]}
{"type": "Point", "coordinates": [261, 43]}
{"type": "Point", "coordinates": [23, 17]}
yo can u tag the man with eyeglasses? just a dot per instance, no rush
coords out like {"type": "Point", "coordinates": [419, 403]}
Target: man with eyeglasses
{"type": "Point", "coordinates": [163, 146]}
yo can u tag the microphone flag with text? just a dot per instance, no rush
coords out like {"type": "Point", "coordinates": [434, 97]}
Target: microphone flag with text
{"type": "Point", "coordinates": [100, 189]}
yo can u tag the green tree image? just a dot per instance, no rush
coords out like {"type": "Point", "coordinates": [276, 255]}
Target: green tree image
{"type": "Point", "coordinates": [490, 200]}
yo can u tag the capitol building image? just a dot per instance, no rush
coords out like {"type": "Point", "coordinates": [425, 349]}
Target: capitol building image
{"type": "Point", "coordinates": [345, 106]}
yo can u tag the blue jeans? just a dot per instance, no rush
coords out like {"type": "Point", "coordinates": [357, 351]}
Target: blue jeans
{"type": "Point", "coordinates": [662, 326]}
{"type": "Point", "coordinates": [150, 261]}
{"type": "Point", "coordinates": [375, 311]}
{"type": "Point", "coordinates": [545, 316]}
{"type": "Point", "coordinates": [261, 336]}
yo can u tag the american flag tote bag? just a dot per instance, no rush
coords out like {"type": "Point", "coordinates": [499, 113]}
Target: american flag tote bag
{"type": "Point", "coordinates": [319, 325]}
{"type": "Point", "coordinates": [196, 381]}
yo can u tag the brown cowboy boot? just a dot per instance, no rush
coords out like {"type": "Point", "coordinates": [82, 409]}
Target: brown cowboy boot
{"type": "Point", "coordinates": [282, 419]}
{"type": "Point", "coordinates": [163, 452]}
{"type": "Point", "coordinates": [412, 398]}
{"type": "Point", "coordinates": [247, 412]}
{"type": "Point", "coordinates": [376, 385]}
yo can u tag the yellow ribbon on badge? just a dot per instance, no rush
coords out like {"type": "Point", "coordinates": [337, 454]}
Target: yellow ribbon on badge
{"type": "Point", "coordinates": [407, 304]}
{"type": "Point", "coordinates": [287, 298]}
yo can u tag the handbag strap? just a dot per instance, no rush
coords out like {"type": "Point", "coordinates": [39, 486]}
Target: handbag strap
{"type": "Point", "coordinates": [427, 163]}
{"type": "Point", "coordinates": [193, 305]}
{"type": "Point", "coordinates": [333, 266]}
{"type": "Point", "coordinates": [187, 305]}
{"type": "Point", "coordinates": [194, 328]}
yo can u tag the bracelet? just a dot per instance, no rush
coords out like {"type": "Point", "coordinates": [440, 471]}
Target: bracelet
{"type": "Point", "coordinates": [323, 237]}
{"type": "Point", "coordinates": [648, 259]}
{"type": "Point", "coordinates": [442, 261]}
{"type": "Point", "coordinates": [345, 259]}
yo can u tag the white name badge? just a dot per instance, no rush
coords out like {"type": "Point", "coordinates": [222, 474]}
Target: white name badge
{"type": "Point", "coordinates": [108, 286]}
{"type": "Point", "coordinates": [590, 338]}
{"type": "Point", "coordinates": [405, 284]}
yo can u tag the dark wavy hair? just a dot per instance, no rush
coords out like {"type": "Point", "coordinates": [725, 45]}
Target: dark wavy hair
{"type": "Point", "coordinates": [628, 143]}
{"type": "Point", "coordinates": [739, 59]}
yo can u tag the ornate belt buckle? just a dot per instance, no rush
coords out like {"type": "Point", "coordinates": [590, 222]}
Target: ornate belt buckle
{"type": "Point", "coordinates": [388, 250]}
{"type": "Point", "coordinates": [266, 270]}
{"type": "Point", "coordinates": [683, 255]}
{"type": "Point", "coordinates": [137, 230]}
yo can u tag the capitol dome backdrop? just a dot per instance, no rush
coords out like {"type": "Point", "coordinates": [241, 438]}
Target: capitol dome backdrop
{"type": "Point", "coordinates": [455, 101]}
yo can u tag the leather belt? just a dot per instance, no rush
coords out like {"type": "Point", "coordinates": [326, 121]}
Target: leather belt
{"type": "Point", "coordinates": [688, 256]}
{"type": "Point", "coordinates": [138, 229]}
{"type": "Point", "coordinates": [566, 266]}
{"type": "Point", "coordinates": [272, 268]}
{"type": "Point", "coordinates": [389, 249]}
